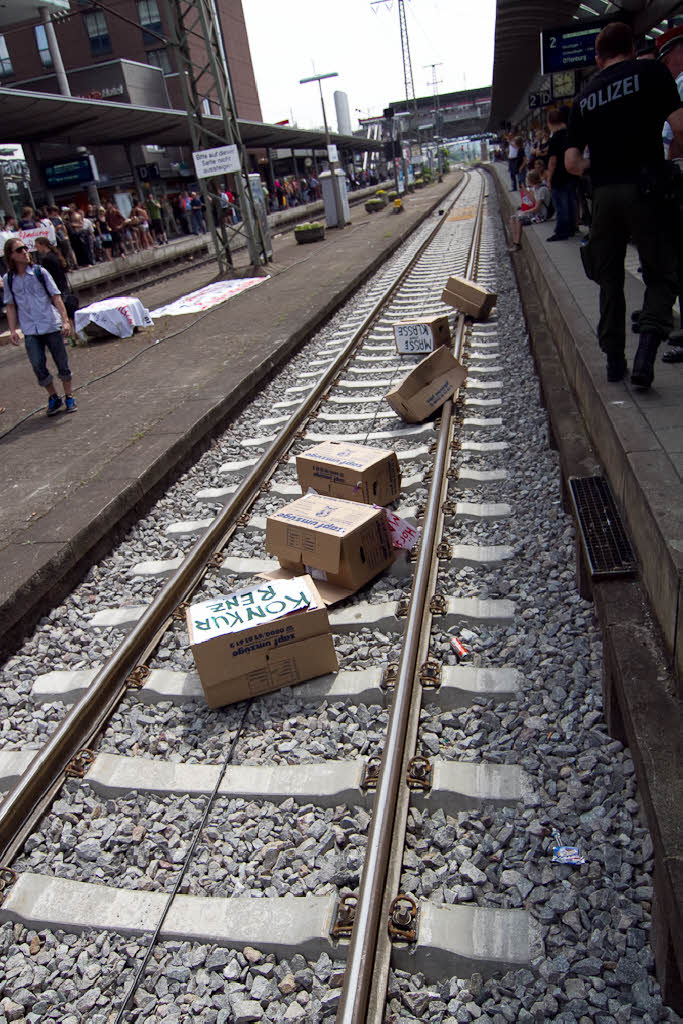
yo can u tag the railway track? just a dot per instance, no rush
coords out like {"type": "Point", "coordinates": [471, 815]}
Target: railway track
{"type": "Point", "coordinates": [231, 855]}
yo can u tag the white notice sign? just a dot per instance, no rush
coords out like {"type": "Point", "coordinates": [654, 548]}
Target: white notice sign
{"type": "Point", "coordinates": [261, 604]}
{"type": "Point", "coordinates": [411, 338]}
{"type": "Point", "coordinates": [222, 160]}
{"type": "Point", "coordinates": [332, 154]}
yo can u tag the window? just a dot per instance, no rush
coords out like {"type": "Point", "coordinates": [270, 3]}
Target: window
{"type": "Point", "coordinates": [149, 17]}
{"type": "Point", "coordinates": [43, 47]}
{"type": "Point", "coordinates": [5, 63]}
{"type": "Point", "coordinates": [98, 33]}
{"type": "Point", "coordinates": [160, 59]}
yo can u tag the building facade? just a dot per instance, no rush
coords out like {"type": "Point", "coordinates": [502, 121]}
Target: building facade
{"type": "Point", "coordinates": [120, 55]}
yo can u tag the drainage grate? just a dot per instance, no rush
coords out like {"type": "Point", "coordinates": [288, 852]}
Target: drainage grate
{"type": "Point", "coordinates": [607, 547]}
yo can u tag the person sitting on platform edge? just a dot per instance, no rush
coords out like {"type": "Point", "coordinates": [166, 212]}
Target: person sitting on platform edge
{"type": "Point", "coordinates": [627, 100]}
{"type": "Point", "coordinates": [536, 214]}
{"type": "Point", "coordinates": [33, 302]}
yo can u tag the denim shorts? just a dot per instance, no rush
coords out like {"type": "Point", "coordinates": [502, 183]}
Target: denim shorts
{"type": "Point", "coordinates": [36, 346]}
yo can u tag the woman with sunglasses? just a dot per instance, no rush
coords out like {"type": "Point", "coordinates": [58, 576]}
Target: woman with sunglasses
{"type": "Point", "coordinates": [34, 303]}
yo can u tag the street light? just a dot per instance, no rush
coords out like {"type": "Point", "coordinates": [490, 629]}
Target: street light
{"type": "Point", "coordinates": [339, 208]}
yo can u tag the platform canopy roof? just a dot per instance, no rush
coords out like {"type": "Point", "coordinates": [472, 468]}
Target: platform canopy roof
{"type": "Point", "coordinates": [13, 11]}
{"type": "Point", "coordinates": [516, 60]}
{"type": "Point", "coordinates": [43, 117]}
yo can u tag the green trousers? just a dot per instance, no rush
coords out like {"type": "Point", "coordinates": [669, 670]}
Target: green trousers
{"type": "Point", "coordinates": [621, 214]}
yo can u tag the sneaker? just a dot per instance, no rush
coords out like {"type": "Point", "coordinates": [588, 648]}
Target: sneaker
{"type": "Point", "coordinates": [54, 405]}
{"type": "Point", "coordinates": [515, 247]}
{"type": "Point", "coordinates": [676, 338]}
{"type": "Point", "coordinates": [70, 404]}
{"type": "Point", "coordinates": [557, 238]}
{"type": "Point", "coordinates": [643, 372]}
{"type": "Point", "coordinates": [616, 368]}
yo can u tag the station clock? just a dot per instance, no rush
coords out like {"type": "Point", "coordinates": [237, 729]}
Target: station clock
{"type": "Point", "coordinates": [563, 84]}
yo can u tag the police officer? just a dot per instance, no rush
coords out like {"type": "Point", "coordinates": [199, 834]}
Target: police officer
{"type": "Point", "coordinates": [619, 115]}
{"type": "Point", "coordinates": [670, 51]}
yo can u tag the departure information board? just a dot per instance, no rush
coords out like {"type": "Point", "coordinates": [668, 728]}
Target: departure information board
{"type": "Point", "coordinates": [563, 49]}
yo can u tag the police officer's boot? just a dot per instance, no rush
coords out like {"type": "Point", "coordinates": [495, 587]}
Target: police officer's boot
{"type": "Point", "coordinates": [643, 372]}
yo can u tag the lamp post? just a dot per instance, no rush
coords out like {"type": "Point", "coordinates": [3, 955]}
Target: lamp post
{"type": "Point", "coordinates": [338, 205]}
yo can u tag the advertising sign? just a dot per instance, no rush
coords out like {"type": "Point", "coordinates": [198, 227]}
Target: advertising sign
{"type": "Point", "coordinates": [222, 160]}
{"type": "Point", "coordinates": [571, 47]}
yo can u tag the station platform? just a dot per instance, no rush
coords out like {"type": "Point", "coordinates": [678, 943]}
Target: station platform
{"type": "Point", "coordinates": [139, 267]}
{"type": "Point", "coordinates": [637, 435]}
{"type": "Point", "coordinates": [148, 405]}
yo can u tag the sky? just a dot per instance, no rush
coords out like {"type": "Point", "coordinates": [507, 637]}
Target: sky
{"type": "Point", "coordinates": [362, 43]}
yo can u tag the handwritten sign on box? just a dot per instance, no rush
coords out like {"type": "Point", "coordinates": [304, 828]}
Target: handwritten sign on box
{"type": "Point", "coordinates": [411, 338]}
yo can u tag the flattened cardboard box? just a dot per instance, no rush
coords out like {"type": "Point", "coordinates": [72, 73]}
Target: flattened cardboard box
{"type": "Point", "coordinates": [423, 334]}
{"type": "Point", "coordinates": [354, 472]}
{"type": "Point", "coordinates": [468, 297]}
{"type": "Point", "coordinates": [424, 390]}
{"type": "Point", "coordinates": [260, 639]}
{"type": "Point", "coordinates": [342, 544]}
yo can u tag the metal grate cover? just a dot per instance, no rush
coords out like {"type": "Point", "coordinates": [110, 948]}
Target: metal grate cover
{"type": "Point", "coordinates": [607, 547]}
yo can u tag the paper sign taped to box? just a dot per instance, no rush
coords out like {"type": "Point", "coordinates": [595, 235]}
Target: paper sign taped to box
{"type": "Point", "coordinates": [421, 335]}
{"type": "Point", "coordinates": [403, 535]}
{"type": "Point", "coordinates": [261, 604]}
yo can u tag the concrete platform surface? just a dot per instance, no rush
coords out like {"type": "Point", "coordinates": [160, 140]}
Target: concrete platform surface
{"type": "Point", "coordinates": [637, 435]}
{"type": "Point", "coordinates": [72, 484]}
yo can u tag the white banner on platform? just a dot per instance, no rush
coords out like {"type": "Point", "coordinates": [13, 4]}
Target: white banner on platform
{"type": "Point", "coordinates": [205, 298]}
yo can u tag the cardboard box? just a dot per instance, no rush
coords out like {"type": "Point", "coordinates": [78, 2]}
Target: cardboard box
{"type": "Point", "coordinates": [468, 297]}
{"type": "Point", "coordinates": [342, 544]}
{"type": "Point", "coordinates": [354, 472]}
{"type": "Point", "coordinates": [260, 638]}
{"type": "Point", "coordinates": [421, 335]}
{"type": "Point", "coordinates": [424, 390]}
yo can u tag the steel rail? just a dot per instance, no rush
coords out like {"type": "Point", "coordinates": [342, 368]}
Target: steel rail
{"type": "Point", "coordinates": [25, 802]}
{"type": "Point", "coordinates": [360, 960]}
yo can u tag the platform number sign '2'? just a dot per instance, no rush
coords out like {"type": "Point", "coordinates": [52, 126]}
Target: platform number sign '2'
{"type": "Point", "coordinates": [413, 338]}
{"type": "Point", "coordinates": [538, 100]}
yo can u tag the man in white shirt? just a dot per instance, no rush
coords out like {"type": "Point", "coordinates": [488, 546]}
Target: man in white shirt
{"type": "Point", "coordinates": [34, 303]}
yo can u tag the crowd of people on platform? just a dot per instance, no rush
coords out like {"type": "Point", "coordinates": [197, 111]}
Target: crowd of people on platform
{"type": "Point", "coordinates": [615, 163]}
{"type": "Point", "coordinates": [536, 166]}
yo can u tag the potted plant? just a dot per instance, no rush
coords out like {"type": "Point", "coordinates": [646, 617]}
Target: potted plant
{"type": "Point", "coordinates": [391, 196]}
{"type": "Point", "coordinates": [373, 205]}
{"type": "Point", "coordinates": [313, 231]}
{"type": "Point", "coordinates": [381, 193]}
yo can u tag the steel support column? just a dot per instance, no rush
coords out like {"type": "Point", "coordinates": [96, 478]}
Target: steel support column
{"type": "Point", "coordinates": [205, 82]}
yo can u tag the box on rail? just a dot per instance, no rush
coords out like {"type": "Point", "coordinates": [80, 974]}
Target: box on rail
{"type": "Point", "coordinates": [470, 298]}
{"type": "Point", "coordinates": [341, 544]}
{"type": "Point", "coordinates": [355, 472]}
{"type": "Point", "coordinates": [427, 386]}
{"type": "Point", "coordinates": [259, 639]}
{"type": "Point", "coordinates": [423, 334]}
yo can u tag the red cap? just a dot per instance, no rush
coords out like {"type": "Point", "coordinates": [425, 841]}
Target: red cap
{"type": "Point", "coordinates": [668, 40]}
